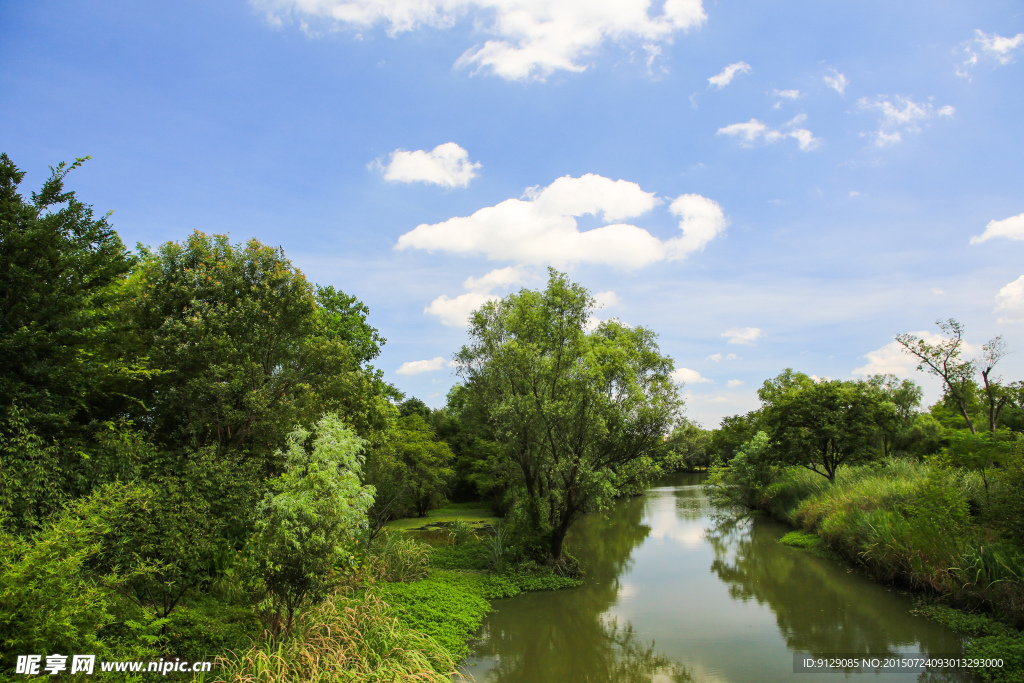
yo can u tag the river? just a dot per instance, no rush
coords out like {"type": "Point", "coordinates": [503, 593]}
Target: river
{"type": "Point", "coordinates": [679, 590]}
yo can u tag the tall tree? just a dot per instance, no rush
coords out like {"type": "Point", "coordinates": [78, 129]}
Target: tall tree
{"type": "Point", "coordinates": [60, 268]}
{"type": "Point", "coordinates": [825, 425]}
{"type": "Point", "coordinates": [992, 353]}
{"type": "Point", "coordinates": [579, 415]}
{"type": "Point", "coordinates": [246, 347]}
{"type": "Point", "coordinates": [945, 360]}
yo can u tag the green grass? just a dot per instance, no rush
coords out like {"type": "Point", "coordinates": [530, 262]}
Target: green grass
{"type": "Point", "coordinates": [809, 542]}
{"type": "Point", "coordinates": [799, 539]}
{"type": "Point", "coordinates": [474, 513]}
{"type": "Point", "coordinates": [988, 639]}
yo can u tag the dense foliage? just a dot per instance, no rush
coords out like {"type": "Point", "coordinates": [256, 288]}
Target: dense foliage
{"type": "Point", "coordinates": [578, 415]}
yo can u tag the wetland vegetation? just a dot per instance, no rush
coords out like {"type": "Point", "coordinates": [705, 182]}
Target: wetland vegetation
{"type": "Point", "coordinates": [200, 462]}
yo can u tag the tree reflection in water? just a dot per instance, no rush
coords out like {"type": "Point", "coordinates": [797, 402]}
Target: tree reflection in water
{"type": "Point", "coordinates": [819, 608]}
{"type": "Point", "coordinates": [577, 642]}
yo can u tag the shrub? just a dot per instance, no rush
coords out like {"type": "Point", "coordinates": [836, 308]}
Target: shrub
{"type": "Point", "coordinates": [305, 526]}
{"type": "Point", "coordinates": [56, 593]}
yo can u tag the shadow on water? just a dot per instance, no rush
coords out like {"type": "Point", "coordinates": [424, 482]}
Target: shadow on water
{"type": "Point", "coordinates": [678, 590]}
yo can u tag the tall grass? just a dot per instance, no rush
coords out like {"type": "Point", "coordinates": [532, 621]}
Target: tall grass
{"type": "Point", "coordinates": [906, 523]}
{"type": "Point", "coordinates": [396, 557]}
{"type": "Point", "coordinates": [497, 548]}
{"type": "Point", "coordinates": [345, 639]}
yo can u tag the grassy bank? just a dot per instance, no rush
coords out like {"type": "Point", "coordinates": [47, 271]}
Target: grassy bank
{"type": "Point", "coordinates": [408, 616]}
{"type": "Point", "coordinates": [936, 531]}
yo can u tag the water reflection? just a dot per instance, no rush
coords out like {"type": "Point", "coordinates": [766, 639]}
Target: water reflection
{"type": "Point", "coordinates": [818, 606]}
{"type": "Point", "coordinates": [569, 635]}
{"type": "Point", "coordinates": [677, 590]}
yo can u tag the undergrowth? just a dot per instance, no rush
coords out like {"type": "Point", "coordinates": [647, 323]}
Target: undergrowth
{"type": "Point", "coordinates": [346, 638]}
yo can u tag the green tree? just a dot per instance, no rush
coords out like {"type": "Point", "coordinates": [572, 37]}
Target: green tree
{"type": "Point", "coordinates": [732, 433]}
{"type": "Point", "coordinates": [905, 396]}
{"type": "Point", "coordinates": [60, 272]}
{"type": "Point", "coordinates": [242, 348]}
{"type": "Point", "coordinates": [427, 462]}
{"type": "Point", "coordinates": [59, 268]}
{"type": "Point", "coordinates": [578, 415]}
{"type": "Point", "coordinates": [825, 425]}
{"type": "Point", "coordinates": [687, 447]}
{"type": "Point", "coordinates": [306, 525]}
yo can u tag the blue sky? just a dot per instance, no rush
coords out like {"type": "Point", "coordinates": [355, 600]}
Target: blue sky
{"type": "Point", "coordinates": [766, 185]}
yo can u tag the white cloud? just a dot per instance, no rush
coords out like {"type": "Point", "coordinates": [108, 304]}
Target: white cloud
{"type": "Point", "coordinates": [688, 376]}
{"type": "Point", "coordinates": [447, 165]}
{"type": "Point", "coordinates": [891, 359]}
{"type": "Point", "coordinates": [1011, 228]}
{"type": "Point", "coordinates": [742, 335]}
{"type": "Point", "coordinates": [997, 46]}
{"type": "Point", "coordinates": [899, 115]}
{"type": "Point", "coordinates": [836, 81]}
{"type": "Point", "coordinates": [541, 227]}
{"type": "Point", "coordinates": [753, 131]}
{"type": "Point", "coordinates": [725, 76]}
{"type": "Point", "coordinates": [786, 94]}
{"type": "Point", "coordinates": [1011, 300]}
{"type": "Point", "coordinates": [606, 299]}
{"type": "Point", "coordinates": [734, 383]}
{"type": "Point", "coordinates": [455, 312]}
{"type": "Point", "coordinates": [804, 139]}
{"type": "Point", "coordinates": [415, 367]}
{"type": "Point", "coordinates": [717, 357]}
{"type": "Point", "coordinates": [994, 46]}
{"type": "Point", "coordinates": [527, 38]}
{"type": "Point", "coordinates": [500, 277]}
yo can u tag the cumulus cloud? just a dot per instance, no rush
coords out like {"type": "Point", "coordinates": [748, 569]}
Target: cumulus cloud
{"type": "Point", "coordinates": [688, 376]}
{"type": "Point", "coordinates": [455, 311]}
{"type": "Point", "coordinates": [500, 277]}
{"type": "Point", "coordinates": [541, 228]}
{"type": "Point", "coordinates": [1010, 300]}
{"type": "Point", "coordinates": [525, 38]}
{"type": "Point", "coordinates": [415, 367]}
{"type": "Point", "coordinates": [899, 114]}
{"type": "Point", "coordinates": [754, 131]}
{"type": "Point", "coordinates": [742, 335]}
{"type": "Point", "coordinates": [717, 357]}
{"type": "Point", "coordinates": [836, 81]}
{"type": "Point", "coordinates": [447, 165]}
{"type": "Point", "coordinates": [734, 383]}
{"type": "Point", "coordinates": [992, 47]}
{"type": "Point", "coordinates": [725, 76]}
{"type": "Point", "coordinates": [1011, 228]}
{"type": "Point", "coordinates": [891, 359]}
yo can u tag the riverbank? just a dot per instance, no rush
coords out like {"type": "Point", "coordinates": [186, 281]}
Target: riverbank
{"type": "Point", "coordinates": [409, 616]}
{"type": "Point", "coordinates": [922, 528]}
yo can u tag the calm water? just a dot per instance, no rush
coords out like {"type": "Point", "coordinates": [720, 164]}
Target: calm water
{"type": "Point", "coordinates": [678, 590]}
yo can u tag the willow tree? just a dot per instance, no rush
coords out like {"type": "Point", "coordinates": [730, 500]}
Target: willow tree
{"type": "Point", "coordinates": [579, 414]}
